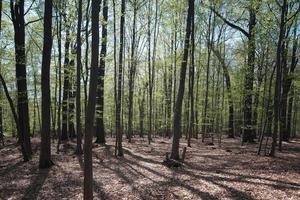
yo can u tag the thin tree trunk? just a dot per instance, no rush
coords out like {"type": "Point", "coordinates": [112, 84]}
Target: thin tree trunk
{"type": "Point", "coordinates": [71, 98]}
{"type": "Point", "coordinates": [90, 113]}
{"type": "Point", "coordinates": [85, 80]}
{"type": "Point", "coordinates": [58, 27]}
{"type": "Point", "coordinates": [78, 75]}
{"type": "Point", "coordinates": [17, 15]}
{"type": "Point", "coordinates": [15, 118]}
{"type": "Point", "coordinates": [66, 88]}
{"type": "Point", "coordinates": [132, 72]}
{"type": "Point", "coordinates": [228, 87]}
{"type": "Point", "coordinates": [45, 155]}
{"type": "Point", "coordinates": [277, 94]}
{"type": "Point", "coordinates": [149, 72]}
{"type": "Point", "coordinates": [100, 131]}
{"type": "Point", "coordinates": [119, 95]}
{"type": "Point", "coordinates": [1, 109]}
{"type": "Point", "coordinates": [286, 86]}
{"type": "Point", "coordinates": [191, 83]}
{"type": "Point", "coordinates": [177, 114]}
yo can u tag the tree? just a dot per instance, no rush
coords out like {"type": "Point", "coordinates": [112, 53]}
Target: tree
{"type": "Point", "coordinates": [132, 71]}
{"type": "Point", "coordinates": [177, 113]}
{"type": "Point", "coordinates": [90, 112]}
{"type": "Point", "coordinates": [287, 81]}
{"type": "Point", "coordinates": [228, 88]}
{"type": "Point", "coordinates": [191, 81]}
{"type": "Point", "coordinates": [45, 156]}
{"type": "Point", "coordinates": [277, 92]}
{"type": "Point", "coordinates": [66, 88]}
{"type": "Point", "coordinates": [248, 135]}
{"type": "Point", "coordinates": [78, 78]}
{"type": "Point", "coordinates": [119, 149]}
{"type": "Point", "coordinates": [100, 131]}
{"type": "Point", "coordinates": [1, 109]}
{"type": "Point", "coordinates": [17, 16]}
{"type": "Point", "coordinates": [58, 30]}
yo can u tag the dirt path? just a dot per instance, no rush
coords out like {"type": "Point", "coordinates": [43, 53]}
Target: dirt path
{"type": "Point", "coordinates": [210, 172]}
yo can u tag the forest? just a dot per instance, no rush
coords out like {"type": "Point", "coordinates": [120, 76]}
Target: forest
{"type": "Point", "coordinates": [149, 99]}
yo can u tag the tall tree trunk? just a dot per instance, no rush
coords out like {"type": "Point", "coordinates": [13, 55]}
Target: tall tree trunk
{"type": "Point", "coordinates": [132, 72]}
{"type": "Point", "coordinates": [100, 131]}
{"type": "Point", "coordinates": [228, 88]}
{"type": "Point", "coordinates": [286, 86]}
{"type": "Point", "coordinates": [17, 15]}
{"type": "Point", "coordinates": [177, 114]}
{"type": "Point", "coordinates": [249, 135]}
{"type": "Point", "coordinates": [85, 80]}
{"type": "Point", "coordinates": [149, 72]}
{"type": "Point", "coordinates": [65, 103]}
{"type": "Point", "coordinates": [209, 41]}
{"type": "Point", "coordinates": [277, 93]}
{"type": "Point", "coordinates": [191, 83]}
{"type": "Point", "coordinates": [119, 95]}
{"type": "Point", "coordinates": [71, 98]}
{"type": "Point", "coordinates": [78, 75]}
{"type": "Point", "coordinates": [90, 113]}
{"type": "Point", "coordinates": [58, 27]}
{"type": "Point", "coordinates": [115, 66]}
{"type": "Point", "coordinates": [1, 109]}
{"type": "Point", "coordinates": [45, 155]}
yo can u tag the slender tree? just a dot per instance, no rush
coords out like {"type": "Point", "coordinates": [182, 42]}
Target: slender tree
{"type": "Point", "coordinates": [132, 71]}
{"type": "Point", "coordinates": [100, 131]}
{"type": "Point", "coordinates": [78, 76]}
{"type": "Point", "coordinates": [277, 92]}
{"type": "Point", "coordinates": [248, 135]}
{"type": "Point", "coordinates": [1, 109]}
{"type": "Point", "coordinates": [65, 103]}
{"type": "Point", "coordinates": [17, 16]}
{"type": "Point", "coordinates": [119, 95]}
{"type": "Point", "coordinates": [180, 94]}
{"type": "Point", "coordinates": [90, 113]}
{"type": "Point", "coordinates": [45, 156]}
{"type": "Point", "coordinates": [191, 83]}
{"type": "Point", "coordinates": [58, 29]}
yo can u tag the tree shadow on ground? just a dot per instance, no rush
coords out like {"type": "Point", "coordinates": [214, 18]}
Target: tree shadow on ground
{"type": "Point", "coordinates": [98, 187]}
{"type": "Point", "coordinates": [36, 183]}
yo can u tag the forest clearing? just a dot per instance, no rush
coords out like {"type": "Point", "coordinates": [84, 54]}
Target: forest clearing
{"type": "Point", "coordinates": [210, 172]}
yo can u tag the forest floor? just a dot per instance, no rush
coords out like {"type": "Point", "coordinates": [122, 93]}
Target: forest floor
{"type": "Point", "coordinates": [229, 171]}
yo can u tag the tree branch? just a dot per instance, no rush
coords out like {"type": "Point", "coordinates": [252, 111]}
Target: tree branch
{"type": "Point", "coordinates": [29, 7]}
{"type": "Point", "coordinates": [232, 25]}
{"type": "Point", "coordinates": [33, 21]}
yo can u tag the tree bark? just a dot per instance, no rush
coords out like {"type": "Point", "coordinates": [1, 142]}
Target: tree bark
{"type": "Point", "coordinates": [45, 155]}
{"type": "Point", "coordinates": [277, 92]}
{"type": "Point", "coordinates": [177, 113]}
{"type": "Point", "coordinates": [228, 88]}
{"type": "Point", "coordinates": [132, 72]}
{"type": "Point", "coordinates": [65, 103]}
{"type": "Point", "coordinates": [90, 113]}
{"type": "Point", "coordinates": [191, 82]}
{"type": "Point", "coordinates": [78, 75]}
{"type": "Point", "coordinates": [119, 91]}
{"type": "Point", "coordinates": [100, 131]}
{"type": "Point", "coordinates": [17, 15]}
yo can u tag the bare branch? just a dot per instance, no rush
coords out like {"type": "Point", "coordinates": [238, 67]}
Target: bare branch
{"type": "Point", "coordinates": [29, 7]}
{"type": "Point", "coordinates": [232, 25]}
{"type": "Point", "coordinates": [33, 21]}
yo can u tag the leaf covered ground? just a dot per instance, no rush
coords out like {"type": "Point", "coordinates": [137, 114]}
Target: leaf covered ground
{"type": "Point", "coordinates": [229, 171]}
